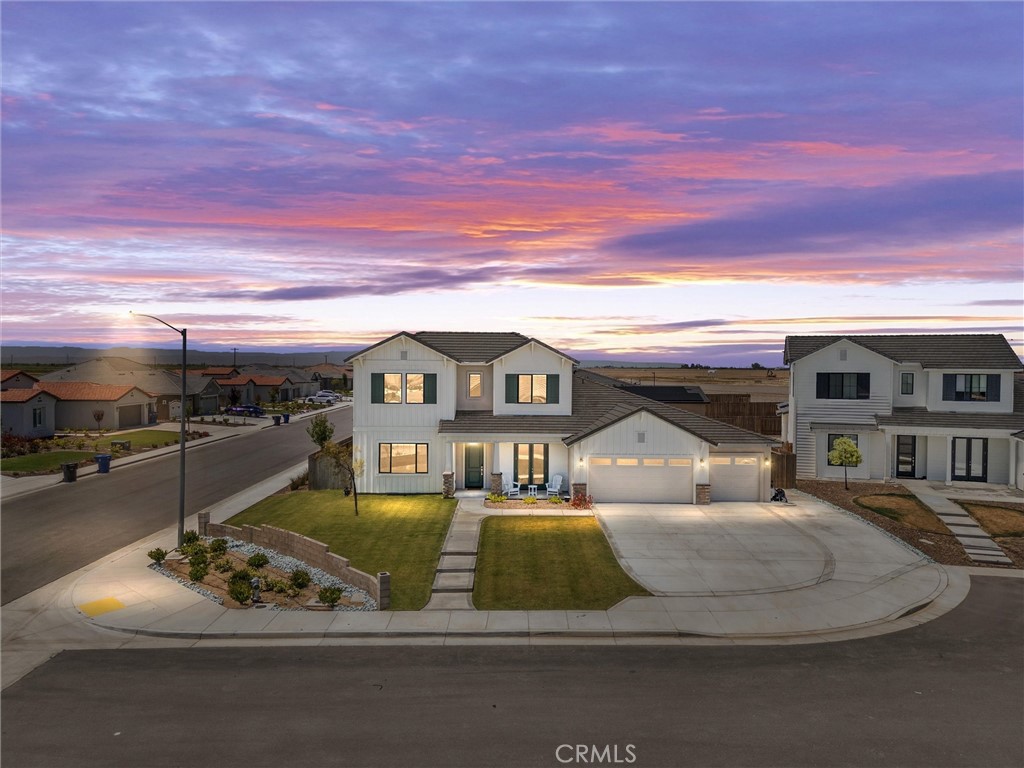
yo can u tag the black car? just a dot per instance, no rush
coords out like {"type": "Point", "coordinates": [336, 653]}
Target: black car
{"type": "Point", "coordinates": [245, 410]}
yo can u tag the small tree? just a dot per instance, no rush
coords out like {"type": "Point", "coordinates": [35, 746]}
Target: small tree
{"type": "Point", "coordinates": [234, 396]}
{"type": "Point", "coordinates": [351, 466]}
{"type": "Point", "coordinates": [97, 416]}
{"type": "Point", "coordinates": [845, 452]}
{"type": "Point", "coordinates": [320, 430]}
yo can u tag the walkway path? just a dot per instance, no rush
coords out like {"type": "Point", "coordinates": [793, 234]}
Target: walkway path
{"type": "Point", "coordinates": [978, 545]}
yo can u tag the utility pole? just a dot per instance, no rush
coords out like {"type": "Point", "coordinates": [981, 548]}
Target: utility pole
{"type": "Point", "coordinates": [234, 357]}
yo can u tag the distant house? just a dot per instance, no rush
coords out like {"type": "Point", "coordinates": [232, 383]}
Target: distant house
{"type": "Point", "coordinates": [256, 388]}
{"type": "Point", "coordinates": [222, 372]}
{"type": "Point", "coordinates": [15, 379]}
{"type": "Point", "coordinates": [28, 412]}
{"type": "Point", "coordinates": [941, 407]}
{"type": "Point", "coordinates": [123, 406]}
{"type": "Point", "coordinates": [689, 398]}
{"type": "Point", "coordinates": [331, 376]}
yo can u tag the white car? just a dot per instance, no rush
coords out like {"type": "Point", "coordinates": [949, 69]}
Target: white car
{"type": "Point", "coordinates": [323, 397]}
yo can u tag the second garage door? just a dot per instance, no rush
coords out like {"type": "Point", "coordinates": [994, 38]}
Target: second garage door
{"type": "Point", "coordinates": [735, 478]}
{"type": "Point", "coordinates": [639, 479]}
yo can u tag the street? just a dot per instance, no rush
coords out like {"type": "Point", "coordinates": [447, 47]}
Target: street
{"type": "Point", "coordinates": [947, 693]}
{"type": "Point", "coordinates": [55, 531]}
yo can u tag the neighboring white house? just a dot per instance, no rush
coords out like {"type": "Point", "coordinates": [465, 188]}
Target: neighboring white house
{"type": "Point", "coordinates": [939, 407]}
{"type": "Point", "coordinates": [444, 411]}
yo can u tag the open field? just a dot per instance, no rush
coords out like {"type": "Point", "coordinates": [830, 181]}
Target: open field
{"type": "Point", "coordinates": [757, 383]}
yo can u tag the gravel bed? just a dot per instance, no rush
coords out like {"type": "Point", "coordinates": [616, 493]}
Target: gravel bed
{"type": "Point", "coordinates": [188, 584]}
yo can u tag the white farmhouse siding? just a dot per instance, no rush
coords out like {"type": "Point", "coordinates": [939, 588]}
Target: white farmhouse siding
{"type": "Point", "coordinates": [1017, 449]}
{"type": "Point", "coordinates": [1003, 405]}
{"type": "Point", "coordinates": [811, 409]}
{"type": "Point", "coordinates": [918, 395]}
{"type": "Point", "coordinates": [558, 455]}
{"type": "Point", "coordinates": [533, 358]}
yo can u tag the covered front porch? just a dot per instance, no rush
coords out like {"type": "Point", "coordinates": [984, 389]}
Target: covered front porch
{"type": "Point", "coordinates": [986, 456]}
{"type": "Point", "coordinates": [475, 464]}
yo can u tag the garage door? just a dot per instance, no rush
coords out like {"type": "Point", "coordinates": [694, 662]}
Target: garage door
{"type": "Point", "coordinates": [735, 478]}
{"type": "Point", "coordinates": [129, 416]}
{"type": "Point", "coordinates": [638, 478]}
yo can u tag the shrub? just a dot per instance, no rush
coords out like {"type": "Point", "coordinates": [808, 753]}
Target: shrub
{"type": "Point", "coordinates": [240, 591]}
{"type": "Point", "coordinates": [243, 574]}
{"type": "Point", "coordinates": [298, 482]}
{"type": "Point", "coordinates": [223, 565]}
{"type": "Point", "coordinates": [280, 586]}
{"type": "Point", "coordinates": [329, 596]}
{"type": "Point", "coordinates": [157, 555]}
{"type": "Point", "coordinates": [300, 578]}
{"type": "Point", "coordinates": [497, 497]}
{"type": "Point", "coordinates": [258, 560]}
{"type": "Point", "coordinates": [579, 501]}
{"type": "Point", "coordinates": [195, 549]}
{"type": "Point", "coordinates": [218, 546]}
{"type": "Point", "coordinates": [555, 499]}
{"type": "Point", "coordinates": [197, 570]}
{"type": "Point", "coordinates": [530, 500]}
{"type": "Point", "coordinates": [190, 537]}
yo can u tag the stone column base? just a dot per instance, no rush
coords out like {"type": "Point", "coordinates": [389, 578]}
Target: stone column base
{"type": "Point", "coordinates": [496, 483]}
{"type": "Point", "coordinates": [448, 485]}
{"type": "Point", "coordinates": [703, 493]}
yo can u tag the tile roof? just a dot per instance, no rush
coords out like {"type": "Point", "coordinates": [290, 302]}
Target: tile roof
{"type": "Point", "coordinates": [595, 406]}
{"type": "Point", "coordinates": [218, 371]}
{"type": "Point", "coordinates": [22, 395]}
{"type": "Point", "coordinates": [467, 346]}
{"type": "Point", "coordinates": [5, 375]}
{"type": "Point", "coordinates": [86, 390]}
{"type": "Point", "coordinates": [673, 394]}
{"type": "Point", "coordinates": [258, 380]}
{"type": "Point", "coordinates": [922, 417]}
{"type": "Point", "coordinates": [951, 350]}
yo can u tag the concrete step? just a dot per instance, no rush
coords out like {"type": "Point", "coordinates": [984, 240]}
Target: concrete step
{"type": "Point", "coordinates": [445, 581]}
{"type": "Point", "coordinates": [456, 562]}
{"type": "Point", "coordinates": [995, 559]}
{"type": "Point", "coordinates": [450, 601]}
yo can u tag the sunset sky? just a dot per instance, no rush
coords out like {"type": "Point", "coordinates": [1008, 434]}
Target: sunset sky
{"type": "Point", "coordinates": [683, 182]}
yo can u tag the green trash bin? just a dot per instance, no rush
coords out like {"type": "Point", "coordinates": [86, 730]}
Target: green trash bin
{"type": "Point", "coordinates": [70, 472]}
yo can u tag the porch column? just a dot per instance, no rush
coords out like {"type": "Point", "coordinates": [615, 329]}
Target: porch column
{"type": "Point", "coordinates": [1013, 464]}
{"type": "Point", "coordinates": [496, 480]}
{"type": "Point", "coordinates": [887, 469]}
{"type": "Point", "coordinates": [949, 459]}
{"type": "Point", "coordinates": [449, 454]}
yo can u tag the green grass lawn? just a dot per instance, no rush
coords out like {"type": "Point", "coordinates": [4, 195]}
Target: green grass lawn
{"type": "Point", "coordinates": [548, 563]}
{"type": "Point", "coordinates": [143, 438]}
{"type": "Point", "coordinates": [402, 535]}
{"type": "Point", "coordinates": [43, 462]}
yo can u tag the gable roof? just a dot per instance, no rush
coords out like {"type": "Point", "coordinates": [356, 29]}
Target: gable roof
{"type": "Point", "coordinates": [223, 370]}
{"type": "Point", "coordinates": [947, 350]}
{"type": "Point", "coordinates": [466, 346]}
{"type": "Point", "coordinates": [257, 379]}
{"type": "Point", "coordinates": [597, 405]}
{"type": "Point", "coordinates": [5, 375]}
{"type": "Point", "coordinates": [22, 395]}
{"type": "Point", "coordinates": [86, 390]}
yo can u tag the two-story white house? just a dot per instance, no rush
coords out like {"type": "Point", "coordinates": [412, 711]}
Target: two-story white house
{"type": "Point", "coordinates": [442, 411]}
{"type": "Point", "coordinates": [939, 407]}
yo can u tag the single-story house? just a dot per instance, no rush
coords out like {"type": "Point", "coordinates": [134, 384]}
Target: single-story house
{"type": "Point", "coordinates": [123, 406]}
{"type": "Point", "coordinates": [28, 412]}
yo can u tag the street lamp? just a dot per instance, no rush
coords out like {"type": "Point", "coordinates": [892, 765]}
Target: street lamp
{"type": "Point", "coordinates": [181, 443]}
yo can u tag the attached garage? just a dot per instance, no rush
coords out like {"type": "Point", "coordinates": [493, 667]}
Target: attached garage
{"type": "Point", "coordinates": [129, 416]}
{"type": "Point", "coordinates": [735, 477]}
{"type": "Point", "coordinates": [641, 479]}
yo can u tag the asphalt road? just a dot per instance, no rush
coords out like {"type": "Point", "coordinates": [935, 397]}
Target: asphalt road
{"type": "Point", "coordinates": [948, 693]}
{"type": "Point", "coordinates": [58, 530]}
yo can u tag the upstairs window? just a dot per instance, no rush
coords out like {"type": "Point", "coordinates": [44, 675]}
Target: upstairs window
{"type": "Point", "coordinates": [844, 386]}
{"type": "Point", "coordinates": [475, 385]}
{"type": "Point", "coordinates": [970, 387]}
{"type": "Point", "coordinates": [411, 388]}
{"type": "Point", "coordinates": [531, 388]}
{"type": "Point", "coordinates": [906, 383]}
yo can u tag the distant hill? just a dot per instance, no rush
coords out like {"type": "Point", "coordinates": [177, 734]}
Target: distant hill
{"type": "Point", "coordinates": [15, 356]}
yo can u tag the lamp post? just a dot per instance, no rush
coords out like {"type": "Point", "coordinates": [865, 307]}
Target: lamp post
{"type": "Point", "coordinates": [181, 440]}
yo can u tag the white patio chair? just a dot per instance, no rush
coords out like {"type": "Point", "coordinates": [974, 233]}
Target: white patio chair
{"type": "Point", "coordinates": [510, 489]}
{"type": "Point", "coordinates": [554, 487]}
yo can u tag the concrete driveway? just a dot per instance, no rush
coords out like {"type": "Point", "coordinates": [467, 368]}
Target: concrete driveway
{"type": "Point", "coordinates": [747, 548]}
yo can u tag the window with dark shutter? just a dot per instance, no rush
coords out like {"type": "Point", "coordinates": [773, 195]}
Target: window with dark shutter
{"type": "Point", "coordinates": [376, 387]}
{"type": "Point", "coordinates": [430, 388]}
{"type": "Point", "coordinates": [552, 393]}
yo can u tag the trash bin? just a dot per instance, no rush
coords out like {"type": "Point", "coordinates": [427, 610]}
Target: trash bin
{"type": "Point", "coordinates": [70, 472]}
{"type": "Point", "coordinates": [277, 421]}
{"type": "Point", "coordinates": [286, 416]}
{"type": "Point", "coordinates": [103, 463]}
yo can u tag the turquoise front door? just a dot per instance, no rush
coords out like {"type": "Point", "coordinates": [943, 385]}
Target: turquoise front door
{"type": "Point", "coordinates": [474, 465]}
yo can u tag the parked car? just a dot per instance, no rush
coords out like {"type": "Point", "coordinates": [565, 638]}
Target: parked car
{"type": "Point", "coordinates": [321, 397]}
{"type": "Point", "coordinates": [244, 410]}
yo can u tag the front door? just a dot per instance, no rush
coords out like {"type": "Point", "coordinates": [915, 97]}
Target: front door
{"type": "Point", "coordinates": [474, 465]}
{"type": "Point", "coordinates": [970, 459]}
{"type": "Point", "coordinates": [906, 450]}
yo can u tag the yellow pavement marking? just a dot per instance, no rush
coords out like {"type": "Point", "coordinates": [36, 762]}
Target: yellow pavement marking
{"type": "Point", "coordinates": [96, 608]}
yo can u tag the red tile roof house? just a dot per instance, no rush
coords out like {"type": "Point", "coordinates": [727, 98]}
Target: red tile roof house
{"type": "Point", "coordinates": [123, 406]}
{"type": "Point", "coordinates": [253, 388]}
{"type": "Point", "coordinates": [15, 379]}
{"type": "Point", "coordinates": [28, 412]}
{"type": "Point", "coordinates": [448, 411]}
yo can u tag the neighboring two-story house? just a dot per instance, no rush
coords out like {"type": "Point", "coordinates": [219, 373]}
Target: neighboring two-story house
{"type": "Point", "coordinates": [443, 411]}
{"type": "Point", "coordinates": [939, 407]}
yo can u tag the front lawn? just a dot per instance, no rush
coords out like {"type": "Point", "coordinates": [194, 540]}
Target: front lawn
{"type": "Point", "coordinates": [142, 438]}
{"type": "Point", "coordinates": [43, 462]}
{"type": "Point", "coordinates": [402, 535]}
{"type": "Point", "coordinates": [995, 519]}
{"type": "Point", "coordinates": [906, 509]}
{"type": "Point", "coordinates": [548, 563]}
